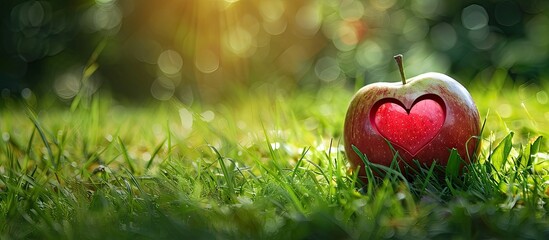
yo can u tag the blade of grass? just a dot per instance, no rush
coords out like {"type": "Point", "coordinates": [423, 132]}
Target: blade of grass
{"type": "Point", "coordinates": [499, 156]}
{"type": "Point", "coordinates": [303, 153]}
{"type": "Point", "coordinates": [453, 165]}
{"type": "Point", "coordinates": [370, 178]}
{"type": "Point", "coordinates": [127, 158]}
{"type": "Point", "coordinates": [533, 150]}
{"type": "Point", "coordinates": [29, 143]}
{"type": "Point", "coordinates": [134, 181]}
{"type": "Point", "coordinates": [478, 143]}
{"type": "Point", "coordinates": [89, 70]}
{"type": "Point", "coordinates": [229, 179]}
{"type": "Point", "coordinates": [428, 178]}
{"type": "Point", "coordinates": [34, 119]}
{"type": "Point", "coordinates": [155, 152]}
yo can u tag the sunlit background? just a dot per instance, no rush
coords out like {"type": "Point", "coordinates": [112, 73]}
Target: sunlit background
{"type": "Point", "coordinates": [205, 50]}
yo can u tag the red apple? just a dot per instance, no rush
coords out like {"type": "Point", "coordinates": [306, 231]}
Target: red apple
{"type": "Point", "coordinates": [422, 118]}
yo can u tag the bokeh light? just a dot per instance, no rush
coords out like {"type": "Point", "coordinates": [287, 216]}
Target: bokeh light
{"type": "Point", "coordinates": [170, 62]}
{"type": "Point", "coordinates": [206, 61]}
{"type": "Point", "coordinates": [162, 88]}
{"type": "Point", "coordinates": [474, 17]}
{"type": "Point", "coordinates": [67, 85]}
{"type": "Point", "coordinates": [194, 49]}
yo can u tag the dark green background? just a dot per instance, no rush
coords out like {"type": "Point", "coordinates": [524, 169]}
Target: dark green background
{"type": "Point", "coordinates": [42, 41]}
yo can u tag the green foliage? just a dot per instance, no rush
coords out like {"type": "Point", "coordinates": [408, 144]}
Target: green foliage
{"type": "Point", "coordinates": [45, 44]}
{"type": "Point", "coordinates": [499, 157]}
{"type": "Point", "coordinates": [263, 166]}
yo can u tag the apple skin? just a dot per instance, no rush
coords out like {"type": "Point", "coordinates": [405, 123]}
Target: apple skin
{"type": "Point", "coordinates": [459, 129]}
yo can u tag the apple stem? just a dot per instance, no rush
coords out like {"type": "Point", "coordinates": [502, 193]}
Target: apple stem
{"type": "Point", "coordinates": [398, 59]}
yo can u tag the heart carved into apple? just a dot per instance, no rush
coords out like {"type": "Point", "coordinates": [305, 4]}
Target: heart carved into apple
{"type": "Point", "coordinates": [410, 129]}
{"type": "Point", "coordinates": [422, 118]}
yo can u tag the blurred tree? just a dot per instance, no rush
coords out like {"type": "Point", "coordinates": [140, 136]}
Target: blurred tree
{"type": "Point", "coordinates": [461, 37]}
{"type": "Point", "coordinates": [40, 40]}
{"type": "Point", "coordinates": [202, 49]}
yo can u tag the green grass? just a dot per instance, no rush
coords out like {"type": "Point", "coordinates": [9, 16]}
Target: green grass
{"type": "Point", "coordinates": [258, 166]}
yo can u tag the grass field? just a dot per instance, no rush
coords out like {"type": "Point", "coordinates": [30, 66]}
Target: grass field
{"type": "Point", "coordinates": [262, 165]}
